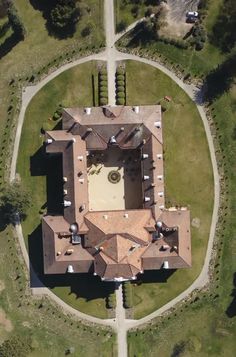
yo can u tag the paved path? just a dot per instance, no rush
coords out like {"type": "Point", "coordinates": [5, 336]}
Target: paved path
{"type": "Point", "coordinates": [111, 59]}
{"type": "Point", "coordinates": [129, 28]}
{"type": "Point", "coordinates": [121, 323]}
{"type": "Point", "coordinates": [111, 55]}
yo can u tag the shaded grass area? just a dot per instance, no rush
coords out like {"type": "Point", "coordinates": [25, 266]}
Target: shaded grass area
{"type": "Point", "coordinates": [123, 12]}
{"type": "Point", "coordinates": [40, 174]}
{"type": "Point", "coordinates": [206, 327]}
{"type": "Point", "coordinates": [50, 331]}
{"type": "Point", "coordinates": [188, 177]}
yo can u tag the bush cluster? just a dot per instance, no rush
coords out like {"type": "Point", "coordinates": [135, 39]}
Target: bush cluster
{"type": "Point", "coordinates": [198, 36]}
{"type": "Point", "coordinates": [120, 86]}
{"type": "Point", "coordinates": [102, 83]}
{"type": "Point", "coordinates": [127, 295]}
{"type": "Point", "coordinates": [171, 41]}
{"type": "Point", "coordinates": [111, 301]}
{"type": "Point", "coordinates": [58, 112]}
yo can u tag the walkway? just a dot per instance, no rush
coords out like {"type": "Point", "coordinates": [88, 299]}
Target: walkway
{"type": "Point", "coordinates": [120, 324]}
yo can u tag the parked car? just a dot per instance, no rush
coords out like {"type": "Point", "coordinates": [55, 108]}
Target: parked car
{"type": "Point", "coordinates": [191, 19]}
{"type": "Point", "coordinates": [192, 13]}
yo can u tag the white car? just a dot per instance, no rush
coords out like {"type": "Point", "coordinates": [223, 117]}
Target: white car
{"type": "Point", "coordinates": [192, 13]}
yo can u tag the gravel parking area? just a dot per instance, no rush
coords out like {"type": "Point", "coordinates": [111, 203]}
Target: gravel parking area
{"type": "Point", "coordinates": [176, 17]}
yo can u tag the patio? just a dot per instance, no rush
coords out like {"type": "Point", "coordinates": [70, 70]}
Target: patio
{"type": "Point", "coordinates": [125, 191]}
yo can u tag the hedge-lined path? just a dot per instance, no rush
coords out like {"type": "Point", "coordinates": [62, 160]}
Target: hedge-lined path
{"type": "Point", "coordinates": [111, 55]}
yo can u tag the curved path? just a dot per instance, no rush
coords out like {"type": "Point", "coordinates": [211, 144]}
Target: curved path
{"type": "Point", "coordinates": [111, 55]}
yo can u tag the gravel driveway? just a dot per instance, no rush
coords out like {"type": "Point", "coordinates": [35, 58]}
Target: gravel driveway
{"type": "Point", "coordinates": [178, 8]}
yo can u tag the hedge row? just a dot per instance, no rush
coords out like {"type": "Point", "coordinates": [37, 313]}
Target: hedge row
{"type": "Point", "coordinates": [111, 301]}
{"type": "Point", "coordinates": [102, 85]}
{"type": "Point", "coordinates": [127, 295]}
{"type": "Point", "coordinates": [120, 86]}
{"type": "Point", "coordinates": [171, 41]}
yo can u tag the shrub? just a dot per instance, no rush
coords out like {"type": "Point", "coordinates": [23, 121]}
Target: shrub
{"type": "Point", "coordinates": [120, 83]}
{"type": "Point", "coordinates": [103, 77]}
{"type": "Point", "coordinates": [87, 30]}
{"type": "Point", "coordinates": [120, 95]}
{"type": "Point", "coordinates": [56, 115]}
{"type": "Point", "coordinates": [121, 26]}
{"type": "Point", "coordinates": [103, 83]}
{"type": "Point", "coordinates": [120, 70]}
{"type": "Point", "coordinates": [103, 88]}
{"type": "Point", "coordinates": [128, 296]}
{"type": "Point", "coordinates": [199, 45]}
{"type": "Point", "coordinates": [111, 301]}
{"type": "Point", "coordinates": [103, 94]}
{"type": "Point", "coordinates": [103, 101]}
{"type": "Point", "coordinates": [120, 101]}
{"type": "Point", "coordinates": [120, 77]}
{"type": "Point", "coordinates": [103, 71]}
{"type": "Point", "coordinates": [120, 89]}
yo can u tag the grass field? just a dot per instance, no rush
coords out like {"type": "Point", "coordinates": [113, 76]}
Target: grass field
{"type": "Point", "coordinates": [123, 12]}
{"type": "Point", "coordinates": [188, 177]}
{"type": "Point", "coordinates": [206, 327]}
{"type": "Point", "coordinates": [72, 88]}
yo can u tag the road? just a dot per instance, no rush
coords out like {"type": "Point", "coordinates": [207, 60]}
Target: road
{"type": "Point", "coordinates": [120, 324]}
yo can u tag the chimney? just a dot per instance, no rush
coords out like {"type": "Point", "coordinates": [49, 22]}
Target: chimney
{"type": "Point", "coordinates": [49, 141]}
{"type": "Point", "coordinates": [87, 111]}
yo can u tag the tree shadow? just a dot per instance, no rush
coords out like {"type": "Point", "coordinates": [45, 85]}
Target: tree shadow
{"type": "Point", "coordinates": [139, 36]}
{"type": "Point", "coordinates": [231, 310]}
{"type": "Point", "coordinates": [45, 7]}
{"type": "Point", "coordinates": [3, 221]}
{"type": "Point", "coordinates": [9, 43]}
{"type": "Point", "coordinates": [85, 285]}
{"type": "Point", "coordinates": [220, 79]}
{"type": "Point", "coordinates": [154, 276]}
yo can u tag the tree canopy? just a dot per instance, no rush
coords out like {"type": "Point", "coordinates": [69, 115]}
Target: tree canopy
{"type": "Point", "coordinates": [64, 14]}
{"type": "Point", "coordinates": [14, 199]}
{"type": "Point", "coordinates": [223, 33]}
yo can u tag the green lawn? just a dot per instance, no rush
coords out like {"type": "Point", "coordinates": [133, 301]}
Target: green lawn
{"type": "Point", "coordinates": [71, 88]}
{"type": "Point", "coordinates": [188, 176]}
{"type": "Point", "coordinates": [123, 12]}
{"type": "Point", "coordinates": [206, 327]}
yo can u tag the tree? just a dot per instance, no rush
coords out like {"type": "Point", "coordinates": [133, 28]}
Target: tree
{"type": "Point", "coordinates": [14, 200]}
{"type": "Point", "coordinates": [223, 33]}
{"type": "Point", "coordinates": [64, 14]}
